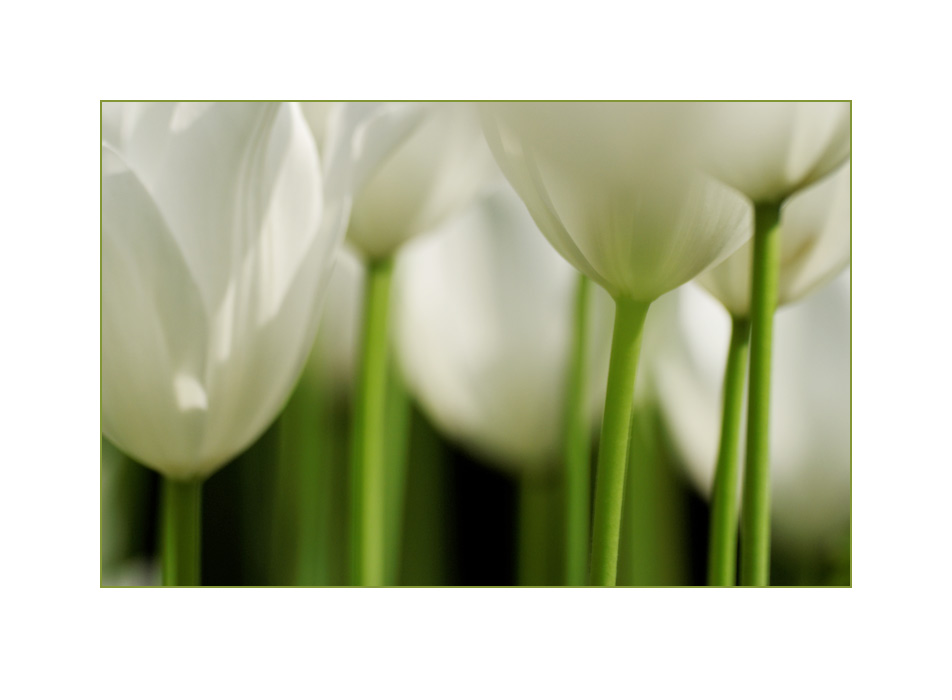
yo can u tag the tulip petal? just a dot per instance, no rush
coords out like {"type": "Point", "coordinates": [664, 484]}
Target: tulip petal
{"type": "Point", "coordinates": [211, 170]}
{"type": "Point", "coordinates": [483, 321]}
{"type": "Point", "coordinates": [816, 236]}
{"type": "Point", "coordinates": [769, 150]}
{"type": "Point", "coordinates": [437, 168]}
{"type": "Point", "coordinates": [153, 328]}
{"type": "Point", "coordinates": [359, 136]}
{"type": "Point", "coordinates": [814, 247]}
{"type": "Point", "coordinates": [603, 186]}
{"type": "Point", "coordinates": [267, 319]}
{"type": "Point", "coordinates": [810, 403]}
{"type": "Point", "coordinates": [215, 256]}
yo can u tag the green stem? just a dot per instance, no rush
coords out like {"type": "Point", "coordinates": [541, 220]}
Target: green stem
{"type": "Point", "coordinates": [536, 500]}
{"type": "Point", "coordinates": [428, 557]}
{"type": "Point", "coordinates": [722, 551]}
{"type": "Point", "coordinates": [368, 540]}
{"type": "Point", "coordinates": [652, 551]}
{"type": "Point", "coordinates": [613, 445]}
{"type": "Point", "coordinates": [181, 532]}
{"type": "Point", "coordinates": [578, 485]}
{"type": "Point", "coordinates": [397, 436]}
{"type": "Point", "coordinates": [755, 519]}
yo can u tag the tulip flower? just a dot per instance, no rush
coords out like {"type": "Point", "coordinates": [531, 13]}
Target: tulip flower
{"type": "Point", "coordinates": [432, 163]}
{"type": "Point", "coordinates": [484, 326]}
{"type": "Point", "coordinates": [614, 188]}
{"type": "Point", "coordinates": [810, 435]}
{"type": "Point", "coordinates": [768, 150]}
{"type": "Point", "coordinates": [219, 231]}
{"type": "Point", "coordinates": [814, 247]}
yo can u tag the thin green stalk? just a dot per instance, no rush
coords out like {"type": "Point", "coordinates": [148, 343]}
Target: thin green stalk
{"type": "Point", "coordinates": [305, 548]}
{"type": "Point", "coordinates": [368, 537]}
{"type": "Point", "coordinates": [311, 453]}
{"type": "Point", "coordinates": [613, 445]}
{"type": "Point", "coordinates": [722, 550]}
{"type": "Point", "coordinates": [397, 436]}
{"type": "Point", "coordinates": [537, 496]}
{"type": "Point", "coordinates": [181, 532]}
{"type": "Point", "coordinates": [652, 550]}
{"type": "Point", "coordinates": [755, 519]}
{"type": "Point", "coordinates": [578, 488]}
{"type": "Point", "coordinates": [428, 557]}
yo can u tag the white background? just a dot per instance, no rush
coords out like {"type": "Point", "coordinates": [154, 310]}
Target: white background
{"type": "Point", "coordinates": [64, 637]}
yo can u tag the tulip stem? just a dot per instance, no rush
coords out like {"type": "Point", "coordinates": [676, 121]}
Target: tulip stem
{"type": "Point", "coordinates": [397, 443]}
{"type": "Point", "coordinates": [181, 532]}
{"type": "Point", "coordinates": [755, 518]}
{"type": "Point", "coordinates": [578, 477]}
{"type": "Point", "coordinates": [722, 549]}
{"type": "Point", "coordinates": [613, 445]}
{"type": "Point", "coordinates": [368, 536]}
{"type": "Point", "coordinates": [536, 556]}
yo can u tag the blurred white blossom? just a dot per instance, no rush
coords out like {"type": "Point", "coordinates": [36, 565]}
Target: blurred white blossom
{"type": "Point", "coordinates": [484, 325]}
{"type": "Point", "coordinates": [810, 403]}
{"type": "Point", "coordinates": [433, 162]}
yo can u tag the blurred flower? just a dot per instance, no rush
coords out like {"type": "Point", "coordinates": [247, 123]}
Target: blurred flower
{"type": "Point", "coordinates": [433, 162]}
{"type": "Point", "coordinates": [769, 150]}
{"type": "Point", "coordinates": [134, 572]}
{"type": "Point", "coordinates": [613, 188]}
{"type": "Point", "coordinates": [814, 247]}
{"type": "Point", "coordinates": [483, 321]}
{"type": "Point", "coordinates": [810, 433]}
{"type": "Point", "coordinates": [217, 243]}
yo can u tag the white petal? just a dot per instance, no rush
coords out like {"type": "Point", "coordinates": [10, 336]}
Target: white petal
{"type": "Point", "coordinates": [814, 247]}
{"type": "Point", "coordinates": [212, 170]}
{"type": "Point", "coordinates": [318, 116]}
{"type": "Point", "coordinates": [769, 150]}
{"type": "Point", "coordinates": [816, 236]}
{"type": "Point", "coordinates": [354, 139]}
{"type": "Point", "coordinates": [437, 169]}
{"type": "Point", "coordinates": [359, 136]}
{"type": "Point", "coordinates": [264, 328]}
{"type": "Point", "coordinates": [604, 187]}
{"type": "Point", "coordinates": [229, 271]}
{"type": "Point", "coordinates": [153, 327]}
{"type": "Point", "coordinates": [810, 414]}
{"type": "Point", "coordinates": [483, 317]}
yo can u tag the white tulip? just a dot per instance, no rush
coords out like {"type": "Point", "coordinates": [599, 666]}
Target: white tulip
{"type": "Point", "coordinates": [810, 404]}
{"type": "Point", "coordinates": [612, 188]}
{"type": "Point", "coordinates": [769, 150]}
{"type": "Point", "coordinates": [217, 244]}
{"type": "Point", "coordinates": [433, 161]}
{"type": "Point", "coordinates": [484, 324]}
{"type": "Point", "coordinates": [814, 247]}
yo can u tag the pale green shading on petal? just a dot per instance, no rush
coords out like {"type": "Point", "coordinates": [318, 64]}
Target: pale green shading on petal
{"type": "Point", "coordinates": [814, 247]}
{"type": "Point", "coordinates": [770, 150]}
{"type": "Point", "coordinates": [617, 190]}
